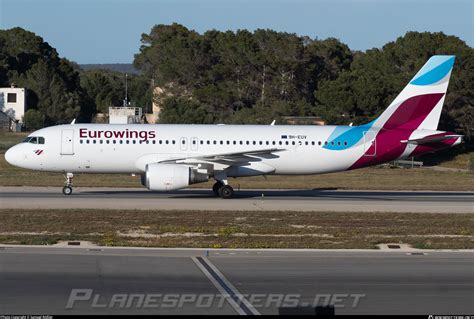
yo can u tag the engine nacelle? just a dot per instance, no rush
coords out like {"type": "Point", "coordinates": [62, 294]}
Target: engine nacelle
{"type": "Point", "coordinates": [167, 177]}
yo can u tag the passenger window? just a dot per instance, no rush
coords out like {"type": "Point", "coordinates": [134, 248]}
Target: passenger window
{"type": "Point", "coordinates": [345, 143]}
{"type": "Point", "coordinates": [107, 141]}
{"type": "Point", "coordinates": [80, 141]}
{"type": "Point", "coordinates": [319, 142]}
{"type": "Point", "coordinates": [94, 141]}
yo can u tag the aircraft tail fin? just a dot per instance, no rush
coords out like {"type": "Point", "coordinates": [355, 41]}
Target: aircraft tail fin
{"type": "Point", "coordinates": [419, 104]}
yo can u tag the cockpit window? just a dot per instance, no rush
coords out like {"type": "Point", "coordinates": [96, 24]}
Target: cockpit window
{"type": "Point", "coordinates": [34, 140]}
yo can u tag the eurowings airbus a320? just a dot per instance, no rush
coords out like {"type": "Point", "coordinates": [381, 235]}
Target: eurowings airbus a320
{"type": "Point", "coordinates": [170, 157]}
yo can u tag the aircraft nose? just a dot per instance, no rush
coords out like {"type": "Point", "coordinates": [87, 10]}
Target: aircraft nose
{"type": "Point", "coordinates": [12, 156]}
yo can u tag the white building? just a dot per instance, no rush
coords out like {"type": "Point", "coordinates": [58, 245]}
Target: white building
{"type": "Point", "coordinates": [13, 102]}
{"type": "Point", "coordinates": [125, 115]}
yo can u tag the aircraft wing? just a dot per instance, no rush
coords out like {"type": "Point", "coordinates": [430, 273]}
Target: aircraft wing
{"type": "Point", "coordinates": [234, 158]}
{"type": "Point", "coordinates": [431, 139]}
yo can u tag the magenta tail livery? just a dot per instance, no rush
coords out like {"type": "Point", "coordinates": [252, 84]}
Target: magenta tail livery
{"type": "Point", "coordinates": [170, 157]}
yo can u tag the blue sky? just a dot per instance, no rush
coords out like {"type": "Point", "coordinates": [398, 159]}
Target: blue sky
{"type": "Point", "coordinates": [106, 31]}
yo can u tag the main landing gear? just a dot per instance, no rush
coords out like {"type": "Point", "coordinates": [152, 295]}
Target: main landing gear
{"type": "Point", "coordinates": [223, 190]}
{"type": "Point", "coordinates": [67, 189]}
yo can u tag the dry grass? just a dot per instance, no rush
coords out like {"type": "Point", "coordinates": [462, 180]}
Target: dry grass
{"type": "Point", "coordinates": [237, 229]}
{"type": "Point", "coordinates": [460, 161]}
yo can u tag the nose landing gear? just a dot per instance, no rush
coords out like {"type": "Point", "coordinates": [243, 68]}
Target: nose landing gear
{"type": "Point", "coordinates": [67, 189]}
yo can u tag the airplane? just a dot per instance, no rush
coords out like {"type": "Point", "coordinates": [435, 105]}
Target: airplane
{"type": "Point", "coordinates": [170, 157]}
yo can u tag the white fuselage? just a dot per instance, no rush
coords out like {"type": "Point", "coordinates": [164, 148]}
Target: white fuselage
{"type": "Point", "coordinates": [98, 148]}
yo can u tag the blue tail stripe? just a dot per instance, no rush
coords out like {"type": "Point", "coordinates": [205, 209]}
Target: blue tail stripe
{"type": "Point", "coordinates": [348, 134]}
{"type": "Point", "coordinates": [435, 74]}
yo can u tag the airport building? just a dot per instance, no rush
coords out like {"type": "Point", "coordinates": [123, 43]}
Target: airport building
{"type": "Point", "coordinates": [12, 105]}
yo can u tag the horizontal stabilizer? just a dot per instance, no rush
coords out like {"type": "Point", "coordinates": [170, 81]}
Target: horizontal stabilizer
{"type": "Point", "coordinates": [431, 139]}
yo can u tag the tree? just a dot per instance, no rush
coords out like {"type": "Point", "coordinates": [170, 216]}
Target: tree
{"type": "Point", "coordinates": [378, 75]}
{"type": "Point", "coordinates": [184, 111]}
{"type": "Point", "coordinates": [52, 83]}
{"type": "Point", "coordinates": [33, 120]}
{"type": "Point", "coordinates": [237, 75]}
{"type": "Point", "coordinates": [105, 88]}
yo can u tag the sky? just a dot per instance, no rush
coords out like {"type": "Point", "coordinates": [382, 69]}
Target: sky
{"type": "Point", "coordinates": [109, 31]}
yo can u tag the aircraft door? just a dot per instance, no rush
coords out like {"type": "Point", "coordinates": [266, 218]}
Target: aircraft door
{"type": "Point", "coordinates": [370, 147]}
{"type": "Point", "coordinates": [67, 142]}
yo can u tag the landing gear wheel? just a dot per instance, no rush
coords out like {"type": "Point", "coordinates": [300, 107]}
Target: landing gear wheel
{"type": "Point", "coordinates": [226, 192]}
{"type": "Point", "coordinates": [216, 187]}
{"type": "Point", "coordinates": [67, 190]}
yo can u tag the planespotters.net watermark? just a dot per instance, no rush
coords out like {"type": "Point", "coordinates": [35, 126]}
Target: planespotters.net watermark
{"type": "Point", "coordinates": [89, 298]}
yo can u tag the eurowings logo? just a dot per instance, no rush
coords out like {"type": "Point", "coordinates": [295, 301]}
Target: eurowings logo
{"type": "Point", "coordinates": [38, 152]}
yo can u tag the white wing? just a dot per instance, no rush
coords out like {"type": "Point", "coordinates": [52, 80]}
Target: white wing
{"type": "Point", "coordinates": [229, 159]}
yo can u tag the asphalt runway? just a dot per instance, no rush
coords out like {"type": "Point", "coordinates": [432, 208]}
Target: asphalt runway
{"type": "Point", "coordinates": [248, 200]}
{"type": "Point", "coordinates": [41, 280]}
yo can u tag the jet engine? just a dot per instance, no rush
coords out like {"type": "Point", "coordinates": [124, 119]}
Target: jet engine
{"type": "Point", "coordinates": [167, 177]}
